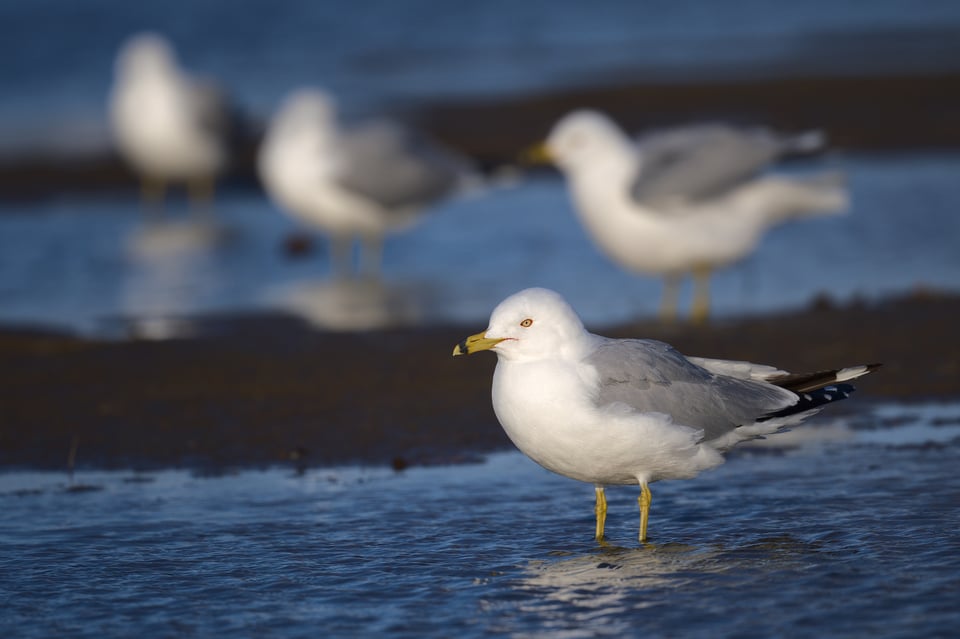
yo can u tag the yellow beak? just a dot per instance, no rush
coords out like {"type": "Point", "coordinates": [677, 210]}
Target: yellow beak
{"type": "Point", "coordinates": [536, 154]}
{"type": "Point", "coordinates": [475, 343]}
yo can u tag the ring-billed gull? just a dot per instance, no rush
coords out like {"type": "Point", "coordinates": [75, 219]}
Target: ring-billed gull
{"type": "Point", "coordinates": [361, 182]}
{"type": "Point", "coordinates": [168, 125]}
{"type": "Point", "coordinates": [631, 411]}
{"type": "Point", "coordinates": [685, 200]}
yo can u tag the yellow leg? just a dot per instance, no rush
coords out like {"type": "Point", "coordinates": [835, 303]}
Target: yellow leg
{"type": "Point", "coordinates": [701, 295]}
{"type": "Point", "coordinates": [201, 190]}
{"type": "Point", "coordinates": [341, 256]}
{"type": "Point", "coordinates": [152, 193]}
{"type": "Point", "coordinates": [601, 511]}
{"type": "Point", "coordinates": [645, 498]}
{"type": "Point", "coordinates": [671, 293]}
{"type": "Point", "coordinates": [371, 255]}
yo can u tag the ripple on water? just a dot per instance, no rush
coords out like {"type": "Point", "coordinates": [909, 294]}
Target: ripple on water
{"type": "Point", "coordinates": [848, 530]}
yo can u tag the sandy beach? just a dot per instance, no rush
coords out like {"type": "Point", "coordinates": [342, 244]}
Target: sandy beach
{"type": "Point", "coordinates": [265, 389]}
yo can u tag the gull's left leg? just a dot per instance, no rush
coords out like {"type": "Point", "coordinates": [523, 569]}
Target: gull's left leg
{"type": "Point", "coordinates": [645, 498]}
{"type": "Point", "coordinates": [671, 294]}
{"type": "Point", "coordinates": [200, 191]}
{"type": "Point", "coordinates": [601, 511]}
{"type": "Point", "coordinates": [701, 294]}
{"type": "Point", "coordinates": [372, 254]}
{"type": "Point", "coordinates": [341, 256]}
{"type": "Point", "coordinates": [152, 193]}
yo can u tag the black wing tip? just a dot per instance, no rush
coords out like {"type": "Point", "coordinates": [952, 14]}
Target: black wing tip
{"type": "Point", "coordinates": [808, 382]}
{"type": "Point", "coordinates": [809, 400]}
{"type": "Point", "coordinates": [822, 395]}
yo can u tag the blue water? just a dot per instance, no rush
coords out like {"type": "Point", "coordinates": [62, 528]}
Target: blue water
{"type": "Point", "coordinates": [848, 528]}
{"type": "Point", "coordinates": [56, 56]}
{"type": "Point", "coordinates": [84, 263]}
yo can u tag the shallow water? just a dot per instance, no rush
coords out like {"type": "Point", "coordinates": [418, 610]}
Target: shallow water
{"type": "Point", "coordinates": [86, 262]}
{"type": "Point", "coordinates": [846, 528]}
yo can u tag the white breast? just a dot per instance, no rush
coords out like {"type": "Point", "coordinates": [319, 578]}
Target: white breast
{"type": "Point", "coordinates": [547, 411]}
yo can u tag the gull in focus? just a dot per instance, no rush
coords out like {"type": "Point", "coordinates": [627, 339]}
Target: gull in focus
{"type": "Point", "coordinates": [631, 411]}
{"type": "Point", "coordinates": [685, 200]}
{"type": "Point", "coordinates": [168, 125]}
{"type": "Point", "coordinates": [359, 182]}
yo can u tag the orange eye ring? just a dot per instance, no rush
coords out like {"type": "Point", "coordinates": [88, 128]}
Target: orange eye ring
{"type": "Point", "coordinates": [527, 323]}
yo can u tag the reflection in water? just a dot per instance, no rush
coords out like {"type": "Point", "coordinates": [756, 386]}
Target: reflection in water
{"type": "Point", "coordinates": [157, 240]}
{"type": "Point", "coordinates": [610, 582]}
{"type": "Point", "coordinates": [857, 539]}
{"type": "Point", "coordinates": [356, 303]}
{"type": "Point", "coordinates": [173, 271]}
{"type": "Point", "coordinates": [599, 594]}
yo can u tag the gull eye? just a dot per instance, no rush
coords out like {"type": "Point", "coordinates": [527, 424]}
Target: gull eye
{"type": "Point", "coordinates": [527, 323]}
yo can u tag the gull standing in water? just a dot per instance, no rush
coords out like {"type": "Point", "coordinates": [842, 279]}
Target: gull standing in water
{"type": "Point", "coordinates": [361, 182]}
{"type": "Point", "coordinates": [168, 125]}
{"type": "Point", "coordinates": [631, 411]}
{"type": "Point", "coordinates": [686, 200]}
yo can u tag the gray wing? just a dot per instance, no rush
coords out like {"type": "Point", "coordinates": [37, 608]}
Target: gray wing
{"type": "Point", "coordinates": [738, 368]}
{"type": "Point", "coordinates": [704, 161]}
{"type": "Point", "coordinates": [390, 166]}
{"type": "Point", "coordinates": [651, 376]}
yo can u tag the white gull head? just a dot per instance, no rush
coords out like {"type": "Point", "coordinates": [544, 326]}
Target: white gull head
{"type": "Point", "coordinates": [146, 55]}
{"type": "Point", "coordinates": [535, 323]}
{"type": "Point", "coordinates": [585, 139]}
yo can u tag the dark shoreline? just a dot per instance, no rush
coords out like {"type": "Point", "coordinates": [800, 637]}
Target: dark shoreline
{"type": "Point", "coordinates": [874, 113]}
{"type": "Point", "coordinates": [272, 391]}
{"type": "Point", "coordinates": [857, 113]}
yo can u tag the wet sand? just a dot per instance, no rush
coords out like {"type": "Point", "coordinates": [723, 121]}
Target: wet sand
{"type": "Point", "coordinates": [866, 112]}
{"type": "Point", "coordinates": [266, 389]}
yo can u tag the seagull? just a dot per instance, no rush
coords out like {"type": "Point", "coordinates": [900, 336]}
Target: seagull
{"type": "Point", "coordinates": [168, 125]}
{"type": "Point", "coordinates": [363, 181]}
{"type": "Point", "coordinates": [631, 411]}
{"type": "Point", "coordinates": [684, 200]}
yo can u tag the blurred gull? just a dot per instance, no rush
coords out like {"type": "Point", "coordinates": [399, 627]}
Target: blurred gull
{"type": "Point", "coordinates": [631, 411]}
{"type": "Point", "coordinates": [355, 182]}
{"type": "Point", "coordinates": [354, 304]}
{"type": "Point", "coordinates": [168, 125]}
{"type": "Point", "coordinates": [683, 200]}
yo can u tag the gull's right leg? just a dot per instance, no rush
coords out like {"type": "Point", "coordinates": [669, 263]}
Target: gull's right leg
{"type": "Point", "coordinates": [152, 193]}
{"type": "Point", "coordinates": [700, 311]}
{"type": "Point", "coordinates": [201, 191]}
{"type": "Point", "coordinates": [341, 256]}
{"type": "Point", "coordinates": [601, 511]}
{"type": "Point", "coordinates": [372, 254]}
{"type": "Point", "coordinates": [671, 294]}
{"type": "Point", "coordinates": [645, 498]}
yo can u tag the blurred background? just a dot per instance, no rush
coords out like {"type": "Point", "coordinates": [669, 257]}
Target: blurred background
{"type": "Point", "coordinates": [849, 526]}
{"type": "Point", "coordinates": [487, 80]}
